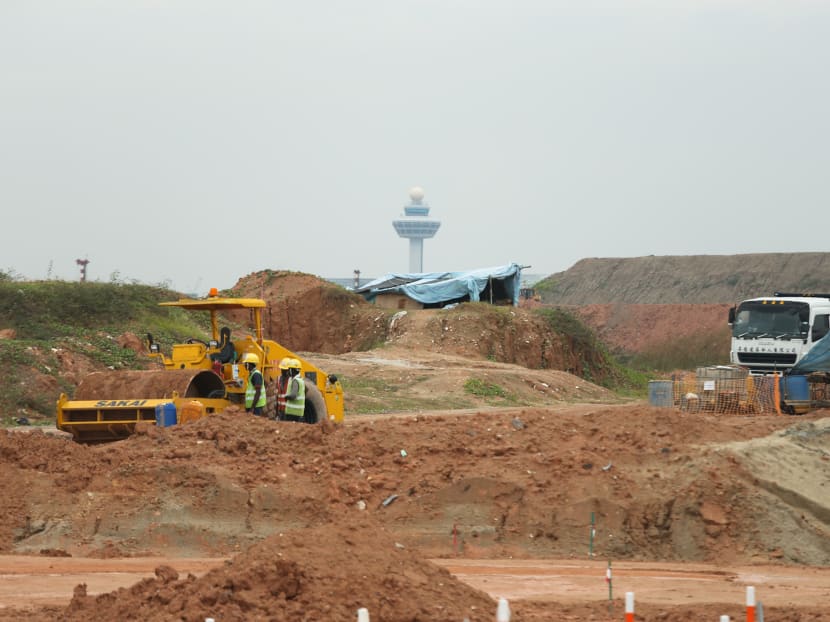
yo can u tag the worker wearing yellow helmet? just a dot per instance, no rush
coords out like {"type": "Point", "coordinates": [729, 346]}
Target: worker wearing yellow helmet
{"type": "Point", "coordinates": [282, 387]}
{"type": "Point", "coordinates": [255, 391]}
{"type": "Point", "coordinates": [295, 396]}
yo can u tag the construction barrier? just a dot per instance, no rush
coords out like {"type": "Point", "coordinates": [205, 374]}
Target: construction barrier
{"type": "Point", "coordinates": [732, 390]}
{"type": "Point", "coordinates": [725, 390]}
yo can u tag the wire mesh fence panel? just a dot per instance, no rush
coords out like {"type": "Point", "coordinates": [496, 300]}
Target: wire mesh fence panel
{"type": "Point", "coordinates": [729, 391]}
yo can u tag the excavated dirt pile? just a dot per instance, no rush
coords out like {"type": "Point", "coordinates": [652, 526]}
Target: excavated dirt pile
{"type": "Point", "coordinates": [323, 519]}
{"type": "Point", "coordinates": [309, 314]}
{"type": "Point", "coordinates": [324, 572]}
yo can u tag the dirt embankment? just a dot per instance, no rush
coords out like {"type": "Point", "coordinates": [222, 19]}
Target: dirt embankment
{"type": "Point", "coordinates": [692, 279]}
{"type": "Point", "coordinates": [635, 328]}
{"type": "Point", "coordinates": [323, 519]}
{"type": "Point", "coordinates": [308, 314]}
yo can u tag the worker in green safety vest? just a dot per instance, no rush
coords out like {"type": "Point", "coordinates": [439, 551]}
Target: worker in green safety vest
{"type": "Point", "coordinates": [295, 397]}
{"type": "Point", "coordinates": [255, 391]}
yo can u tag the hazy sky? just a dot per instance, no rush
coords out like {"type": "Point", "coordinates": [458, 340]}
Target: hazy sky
{"type": "Point", "coordinates": [194, 142]}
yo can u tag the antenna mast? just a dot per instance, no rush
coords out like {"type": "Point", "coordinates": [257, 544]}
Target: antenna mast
{"type": "Point", "coordinates": [82, 263]}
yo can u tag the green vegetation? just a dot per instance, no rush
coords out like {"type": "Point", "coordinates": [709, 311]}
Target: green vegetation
{"type": "Point", "coordinates": [44, 309]}
{"type": "Point", "coordinates": [482, 388]}
{"type": "Point", "coordinates": [491, 393]}
{"type": "Point", "coordinates": [49, 317]}
{"type": "Point", "coordinates": [372, 396]}
{"type": "Point", "coordinates": [367, 385]}
{"type": "Point", "coordinates": [629, 382]}
{"type": "Point", "coordinates": [544, 286]}
{"type": "Point", "coordinates": [567, 323]}
{"type": "Point", "coordinates": [19, 360]}
{"type": "Point", "coordinates": [594, 362]}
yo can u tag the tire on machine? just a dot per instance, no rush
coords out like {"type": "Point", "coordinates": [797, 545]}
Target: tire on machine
{"type": "Point", "coordinates": [315, 405]}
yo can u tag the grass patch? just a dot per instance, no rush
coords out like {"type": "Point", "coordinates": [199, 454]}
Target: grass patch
{"type": "Point", "coordinates": [490, 392]}
{"type": "Point", "coordinates": [483, 389]}
{"type": "Point", "coordinates": [46, 310]}
{"type": "Point", "coordinates": [358, 404]}
{"type": "Point", "coordinates": [370, 386]}
{"type": "Point", "coordinates": [39, 309]}
{"type": "Point", "coordinates": [375, 396]}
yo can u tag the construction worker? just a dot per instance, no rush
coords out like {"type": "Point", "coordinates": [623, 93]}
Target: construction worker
{"type": "Point", "coordinates": [295, 397]}
{"type": "Point", "coordinates": [255, 391]}
{"type": "Point", "coordinates": [282, 388]}
{"type": "Point", "coordinates": [226, 349]}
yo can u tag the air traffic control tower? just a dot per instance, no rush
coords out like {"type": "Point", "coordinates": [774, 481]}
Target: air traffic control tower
{"type": "Point", "coordinates": [416, 225]}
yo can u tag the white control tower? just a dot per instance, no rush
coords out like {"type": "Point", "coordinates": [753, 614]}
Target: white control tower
{"type": "Point", "coordinates": [416, 225]}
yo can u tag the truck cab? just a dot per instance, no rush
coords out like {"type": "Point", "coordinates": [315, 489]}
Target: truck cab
{"type": "Point", "coordinates": [772, 334]}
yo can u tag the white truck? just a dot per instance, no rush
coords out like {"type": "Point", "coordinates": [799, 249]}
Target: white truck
{"type": "Point", "coordinates": [772, 334]}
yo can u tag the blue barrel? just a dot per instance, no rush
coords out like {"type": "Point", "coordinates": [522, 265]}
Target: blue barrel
{"type": "Point", "coordinates": [660, 393]}
{"type": "Point", "coordinates": [796, 389]}
{"type": "Point", "coordinates": [166, 414]}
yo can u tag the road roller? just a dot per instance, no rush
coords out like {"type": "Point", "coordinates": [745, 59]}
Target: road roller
{"type": "Point", "coordinates": [198, 376]}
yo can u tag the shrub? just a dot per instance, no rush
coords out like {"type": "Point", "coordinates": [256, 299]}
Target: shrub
{"type": "Point", "coordinates": [484, 389]}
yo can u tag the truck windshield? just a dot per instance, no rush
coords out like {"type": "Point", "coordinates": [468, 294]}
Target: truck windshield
{"type": "Point", "coordinates": [776, 320]}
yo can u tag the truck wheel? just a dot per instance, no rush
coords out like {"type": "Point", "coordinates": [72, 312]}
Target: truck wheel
{"type": "Point", "coordinates": [315, 405]}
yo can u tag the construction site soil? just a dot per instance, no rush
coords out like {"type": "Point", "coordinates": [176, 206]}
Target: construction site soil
{"type": "Point", "coordinates": [432, 507]}
{"type": "Point", "coordinates": [317, 521]}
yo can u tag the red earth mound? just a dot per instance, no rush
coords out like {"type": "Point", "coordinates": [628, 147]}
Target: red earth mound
{"type": "Point", "coordinates": [324, 519]}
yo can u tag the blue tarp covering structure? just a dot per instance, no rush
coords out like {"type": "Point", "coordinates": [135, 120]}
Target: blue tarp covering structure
{"type": "Point", "coordinates": [817, 359]}
{"type": "Point", "coordinates": [436, 288]}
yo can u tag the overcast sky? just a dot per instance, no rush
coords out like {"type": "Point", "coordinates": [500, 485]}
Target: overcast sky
{"type": "Point", "coordinates": [194, 142]}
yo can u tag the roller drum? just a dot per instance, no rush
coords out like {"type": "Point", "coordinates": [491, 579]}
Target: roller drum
{"type": "Point", "coordinates": [155, 384]}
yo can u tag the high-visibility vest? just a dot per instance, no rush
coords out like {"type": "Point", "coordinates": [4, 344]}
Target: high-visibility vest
{"type": "Point", "coordinates": [250, 390]}
{"type": "Point", "coordinates": [296, 407]}
{"type": "Point", "coordinates": [282, 389]}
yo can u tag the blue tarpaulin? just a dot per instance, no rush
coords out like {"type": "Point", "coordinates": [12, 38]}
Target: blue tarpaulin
{"type": "Point", "coordinates": [434, 288]}
{"type": "Point", "coordinates": [817, 359]}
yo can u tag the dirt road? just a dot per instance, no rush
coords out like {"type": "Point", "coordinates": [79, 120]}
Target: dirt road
{"type": "Point", "coordinates": [33, 581]}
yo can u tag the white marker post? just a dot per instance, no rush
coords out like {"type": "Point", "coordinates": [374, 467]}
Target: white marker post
{"type": "Point", "coordinates": [608, 580]}
{"type": "Point", "coordinates": [724, 619]}
{"type": "Point", "coordinates": [363, 615]}
{"type": "Point", "coordinates": [629, 607]}
{"type": "Point", "coordinates": [750, 604]}
{"type": "Point", "coordinates": [503, 611]}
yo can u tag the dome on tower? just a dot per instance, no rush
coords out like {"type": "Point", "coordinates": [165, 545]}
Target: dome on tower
{"type": "Point", "coordinates": [416, 193]}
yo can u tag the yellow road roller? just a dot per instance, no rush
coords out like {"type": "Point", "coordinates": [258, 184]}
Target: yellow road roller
{"type": "Point", "coordinates": [200, 376]}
